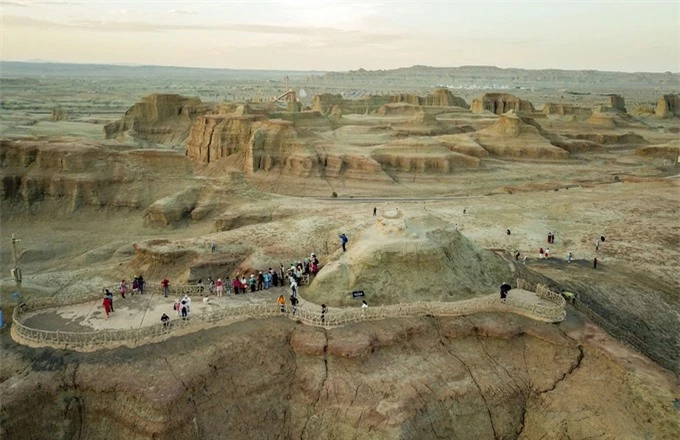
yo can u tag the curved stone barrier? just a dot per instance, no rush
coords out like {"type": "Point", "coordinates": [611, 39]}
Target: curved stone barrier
{"type": "Point", "coordinates": [94, 340]}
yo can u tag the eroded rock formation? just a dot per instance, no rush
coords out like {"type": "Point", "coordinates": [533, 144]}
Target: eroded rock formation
{"type": "Point", "coordinates": [511, 136]}
{"type": "Point", "coordinates": [617, 102]}
{"type": "Point", "coordinates": [565, 109]}
{"type": "Point", "coordinates": [668, 106]}
{"type": "Point", "coordinates": [482, 376]}
{"type": "Point", "coordinates": [500, 103]}
{"type": "Point", "coordinates": [159, 118]}
{"type": "Point", "coordinates": [79, 173]}
{"type": "Point", "coordinates": [324, 103]}
{"type": "Point", "coordinates": [412, 249]}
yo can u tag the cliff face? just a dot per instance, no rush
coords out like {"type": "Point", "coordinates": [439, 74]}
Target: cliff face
{"type": "Point", "coordinates": [158, 118]}
{"type": "Point", "coordinates": [500, 103]}
{"type": "Point", "coordinates": [75, 173]}
{"type": "Point", "coordinates": [482, 376]}
{"type": "Point", "coordinates": [253, 142]}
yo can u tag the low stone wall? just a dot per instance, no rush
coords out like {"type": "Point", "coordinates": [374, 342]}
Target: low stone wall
{"type": "Point", "coordinates": [90, 341]}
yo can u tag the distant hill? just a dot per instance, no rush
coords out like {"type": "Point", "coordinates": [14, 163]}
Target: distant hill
{"type": "Point", "coordinates": [39, 67]}
{"type": "Point", "coordinates": [496, 77]}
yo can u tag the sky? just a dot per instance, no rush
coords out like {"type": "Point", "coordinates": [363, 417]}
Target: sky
{"type": "Point", "coordinates": [339, 35]}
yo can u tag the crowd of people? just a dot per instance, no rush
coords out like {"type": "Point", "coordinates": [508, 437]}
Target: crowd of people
{"type": "Point", "coordinates": [264, 280]}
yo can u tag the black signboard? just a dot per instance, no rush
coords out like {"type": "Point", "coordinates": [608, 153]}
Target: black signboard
{"type": "Point", "coordinates": [358, 294]}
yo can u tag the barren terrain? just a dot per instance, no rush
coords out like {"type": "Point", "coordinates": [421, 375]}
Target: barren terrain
{"type": "Point", "coordinates": [131, 178]}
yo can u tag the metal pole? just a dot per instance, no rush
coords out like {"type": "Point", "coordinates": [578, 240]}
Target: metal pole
{"type": "Point", "coordinates": [16, 272]}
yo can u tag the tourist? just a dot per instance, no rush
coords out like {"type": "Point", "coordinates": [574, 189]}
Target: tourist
{"type": "Point", "coordinates": [293, 286]}
{"type": "Point", "coordinates": [187, 301]}
{"type": "Point", "coordinates": [293, 303]}
{"type": "Point", "coordinates": [199, 284]}
{"type": "Point", "coordinates": [109, 295]}
{"type": "Point", "coordinates": [213, 246]}
{"type": "Point", "coordinates": [343, 240]}
{"type": "Point", "coordinates": [595, 263]}
{"type": "Point", "coordinates": [569, 256]}
{"type": "Point", "coordinates": [517, 254]}
{"type": "Point", "coordinates": [552, 237]}
{"type": "Point", "coordinates": [464, 211]}
{"type": "Point", "coordinates": [135, 285]}
{"type": "Point", "coordinates": [107, 305]}
{"type": "Point", "coordinates": [505, 288]}
{"type": "Point", "coordinates": [364, 305]}
{"type": "Point", "coordinates": [267, 280]}
{"type": "Point", "coordinates": [282, 275]}
{"type": "Point", "coordinates": [211, 286]}
{"type": "Point", "coordinates": [165, 319]}
{"type": "Point", "coordinates": [165, 285]}
{"type": "Point", "coordinates": [324, 309]}
{"type": "Point", "coordinates": [260, 281]}
{"type": "Point", "coordinates": [177, 307]}
{"type": "Point", "coordinates": [282, 303]}
{"type": "Point", "coordinates": [123, 288]}
{"type": "Point", "coordinates": [375, 211]}
{"type": "Point", "coordinates": [227, 286]}
{"type": "Point", "coordinates": [237, 285]}
{"type": "Point", "coordinates": [141, 284]}
{"type": "Point", "coordinates": [252, 282]}
{"type": "Point", "coordinates": [274, 276]}
{"type": "Point", "coordinates": [547, 252]}
{"type": "Point", "coordinates": [315, 264]}
{"type": "Point", "coordinates": [549, 237]}
{"type": "Point", "coordinates": [540, 253]}
{"type": "Point", "coordinates": [244, 284]}
{"type": "Point", "coordinates": [218, 287]}
{"type": "Point", "coordinates": [597, 245]}
{"type": "Point", "coordinates": [184, 310]}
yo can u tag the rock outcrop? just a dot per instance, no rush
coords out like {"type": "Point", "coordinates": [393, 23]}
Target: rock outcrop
{"type": "Point", "coordinates": [252, 142]}
{"type": "Point", "coordinates": [608, 119]}
{"type": "Point", "coordinates": [158, 118]}
{"type": "Point", "coordinates": [668, 106]}
{"type": "Point", "coordinates": [617, 103]}
{"type": "Point", "coordinates": [500, 103]}
{"type": "Point", "coordinates": [74, 173]}
{"type": "Point", "coordinates": [324, 103]}
{"type": "Point", "coordinates": [511, 136]}
{"type": "Point", "coordinates": [59, 114]}
{"type": "Point", "coordinates": [565, 109]}
{"type": "Point", "coordinates": [487, 375]}
{"type": "Point", "coordinates": [669, 151]}
{"type": "Point", "coordinates": [412, 249]}
{"type": "Point", "coordinates": [630, 138]}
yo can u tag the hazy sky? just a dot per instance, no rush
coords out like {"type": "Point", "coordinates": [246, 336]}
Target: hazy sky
{"type": "Point", "coordinates": [343, 35]}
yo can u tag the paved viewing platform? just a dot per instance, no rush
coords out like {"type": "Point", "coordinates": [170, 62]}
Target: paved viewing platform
{"type": "Point", "coordinates": [82, 324]}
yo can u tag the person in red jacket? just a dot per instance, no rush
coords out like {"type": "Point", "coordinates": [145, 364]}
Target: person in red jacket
{"type": "Point", "coordinates": [236, 284]}
{"type": "Point", "coordinates": [165, 285]}
{"type": "Point", "coordinates": [107, 305]}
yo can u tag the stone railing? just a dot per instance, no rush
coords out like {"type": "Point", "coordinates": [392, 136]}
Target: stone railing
{"type": "Point", "coordinates": [89, 341]}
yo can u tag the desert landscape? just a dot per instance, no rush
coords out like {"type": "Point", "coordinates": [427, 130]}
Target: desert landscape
{"type": "Point", "coordinates": [446, 181]}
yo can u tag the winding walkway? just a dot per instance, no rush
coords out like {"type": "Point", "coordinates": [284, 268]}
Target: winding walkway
{"type": "Point", "coordinates": [81, 325]}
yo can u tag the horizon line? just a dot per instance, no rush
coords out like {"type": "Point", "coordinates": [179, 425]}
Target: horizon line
{"type": "Point", "coordinates": [133, 65]}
